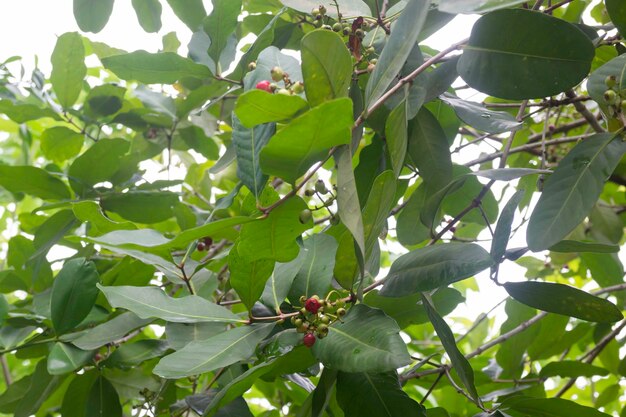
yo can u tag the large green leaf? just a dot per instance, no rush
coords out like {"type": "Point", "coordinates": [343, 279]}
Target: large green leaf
{"type": "Point", "coordinates": [571, 369]}
{"type": "Point", "coordinates": [409, 229]}
{"type": "Point", "coordinates": [571, 192]}
{"type": "Point", "coordinates": [396, 136]}
{"type": "Point", "coordinates": [404, 33]}
{"type": "Point", "coordinates": [502, 233]}
{"type": "Point", "coordinates": [132, 205]}
{"type": "Point", "coordinates": [75, 398]}
{"type": "Point", "coordinates": [366, 341]}
{"type": "Point", "coordinates": [220, 25]}
{"type": "Point", "coordinates": [64, 358]}
{"type": "Point", "coordinates": [519, 406]}
{"type": "Point", "coordinates": [617, 13]}
{"type": "Point", "coordinates": [429, 150]}
{"type": "Point", "coordinates": [248, 144]}
{"type": "Point", "coordinates": [257, 106]}
{"type": "Point", "coordinates": [216, 352]}
{"type": "Point", "coordinates": [475, 6]}
{"type": "Point", "coordinates": [92, 15]}
{"type": "Point", "coordinates": [326, 66]}
{"type": "Point", "coordinates": [42, 385]}
{"type": "Point", "coordinates": [510, 45]}
{"type": "Point", "coordinates": [375, 395]}
{"type": "Point", "coordinates": [569, 246]}
{"type": "Point", "coordinates": [563, 299]}
{"type": "Point", "coordinates": [97, 164]}
{"type": "Point", "coordinates": [159, 68]}
{"type": "Point", "coordinates": [110, 331]}
{"type": "Point", "coordinates": [74, 293]}
{"type": "Point", "coordinates": [349, 209]}
{"type": "Point", "coordinates": [433, 267]}
{"type": "Point", "coordinates": [307, 139]}
{"type": "Point", "coordinates": [148, 14]}
{"type": "Point", "coordinates": [148, 302]}
{"type": "Point", "coordinates": [481, 117]}
{"type": "Point", "coordinates": [248, 278]}
{"type": "Point", "coordinates": [181, 334]}
{"type": "Point", "coordinates": [134, 354]}
{"type": "Point", "coordinates": [460, 364]}
{"type": "Point", "coordinates": [20, 112]}
{"type": "Point", "coordinates": [191, 12]}
{"type": "Point", "coordinates": [261, 44]}
{"type": "Point", "coordinates": [279, 283]}
{"type": "Point", "coordinates": [275, 236]}
{"type": "Point", "coordinates": [103, 400]}
{"type": "Point", "coordinates": [34, 181]}
{"type": "Point", "coordinates": [60, 143]}
{"type": "Point", "coordinates": [316, 273]}
{"type": "Point", "coordinates": [68, 68]}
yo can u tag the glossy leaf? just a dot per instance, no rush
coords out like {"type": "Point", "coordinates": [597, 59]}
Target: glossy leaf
{"type": "Point", "coordinates": [21, 113]}
{"type": "Point", "coordinates": [568, 246]}
{"type": "Point", "coordinates": [278, 285]}
{"type": "Point", "coordinates": [475, 6]}
{"type": "Point", "coordinates": [92, 15]}
{"type": "Point", "coordinates": [148, 14]}
{"type": "Point", "coordinates": [316, 273]}
{"type": "Point", "coordinates": [432, 267]}
{"type": "Point", "coordinates": [132, 205]}
{"type": "Point", "coordinates": [64, 358]}
{"type": "Point", "coordinates": [481, 117]}
{"type": "Point", "coordinates": [147, 302]}
{"type": "Point", "coordinates": [404, 33]}
{"type": "Point", "coordinates": [248, 278]}
{"type": "Point", "coordinates": [248, 144]}
{"type": "Point", "coordinates": [617, 13]}
{"type": "Point", "coordinates": [373, 395]}
{"type": "Point", "coordinates": [42, 385]}
{"type": "Point", "coordinates": [34, 181]}
{"type": "Point", "coordinates": [191, 12]}
{"type": "Point", "coordinates": [159, 68]}
{"type": "Point", "coordinates": [134, 354]}
{"type": "Point", "coordinates": [509, 174]}
{"type": "Point", "coordinates": [548, 407]}
{"type": "Point", "coordinates": [563, 299]}
{"type": "Point", "coordinates": [74, 293]}
{"type": "Point", "coordinates": [396, 134]}
{"type": "Point", "coordinates": [60, 143]}
{"type": "Point", "coordinates": [509, 44]}
{"type": "Point", "coordinates": [570, 193]}
{"type": "Point", "coordinates": [366, 341]}
{"type": "Point", "coordinates": [256, 107]}
{"type": "Point", "coordinates": [216, 352]}
{"type": "Point", "coordinates": [181, 334]}
{"type": "Point", "coordinates": [68, 68]}
{"type": "Point", "coordinates": [103, 400]}
{"type": "Point", "coordinates": [220, 24]}
{"type": "Point", "coordinates": [326, 67]}
{"type": "Point", "coordinates": [502, 232]}
{"type": "Point", "coordinates": [571, 369]}
{"type": "Point", "coordinates": [97, 164]}
{"type": "Point", "coordinates": [307, 140]}
{"type": "Point", "coordinates": [110, 331]}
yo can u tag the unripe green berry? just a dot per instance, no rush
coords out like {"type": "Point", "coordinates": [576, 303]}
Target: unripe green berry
{"type": "Point", "coordinates": [346, 31]}
{"type": "Point", "coordinates": [340, 303]}
{"type": "Point", "coordinates": [337, 27]}
{"type": "Point", "coordinates": [370, 50]}
{"type": "Point", "coordinates": [322, 9]}
{"type": "Point", "coordinates": [298, 87]}
{"type": "Point", "coordinates": [302, 299]}
{"type": "Point", "coordinates": [341, 312]}
{"type": "Point", "coordinates": [305, 216]}
{"type": "Point", "coordinates": [610, 96]}
{"type": "Point", "coordinates": [320, 187]}
{"type": "Point", "coordinates": [315, 12]}
{"type": "Point", "coordinates": [252, 66]}
{"type": "Point", "coordinates": [325, 319]}
{"type": "Point", "coordinates": [298, 322]}
{"type": "Point", "coordinates": [283, 92]}
{"type": "Point", "coordinates": [371, 67]}
{"type": "Point", "coordinates": [610, 81]}
{"type": "Point", "coordinates": [277, 73]}
{"type": "Point", "coordinates": [359, 33]}
{"type": "Point", "coordinates": [623, 106]}
{"type": "Point", "coordinates": [327, 27]}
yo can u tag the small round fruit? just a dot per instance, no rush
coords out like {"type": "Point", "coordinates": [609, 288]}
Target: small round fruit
{"type": "Point", "coordinates": [277, 73]}
{"type": "Point", "coordinates": [252, 66]}
{"type": "Point", "coordinates": [298, 87]}
{"type": "Point", "coordinates": [264, 85]}
{"type": "Point", "coordinates": [309, 340]}
{"type": "Point", "coordinates": [320, 187]}
{"type": "Point", "coordinates": [305, 216]}
{"type": "Point", "coordinates": [359, 33]}
{"type": "Point", "coordinates": [298, 322]}
{"type": "Point", "coordinates": [283, 92]}
{"type": "Point", "coordinates": [325, 320]}
{"type": "Point", "coordinates": [315, 12]}
{"type": "Point", "coordinates": [309, 192]}
{"type": "Point", "coordinates": [623, 106]}
{"type": "Point", "coordinates": [346, 31]}
{"type": "Point", "coordinates": [322, 9]}
{"type": "Point", "coordinates": [341, 312]}
{"type": "Point", "coordinates": [327, 27]}
{"type": "Point", "coordinates": [610, 96]}
{"type": "Point", "coordinates": [201, 246]}
{"type": "Point", "coordinates": [337, 27]}
{"type": "Point", "coordinates": [340, 303]}
{"type": "Point", "coordinates": [371, 67]}
{"type": "Point", "coordinates": [610, 81]}
{"type": "Point", "coordinates": [312, 305]}
{"type": "Point", "coordinates": [207, 240]}
{"type": "Point", "coordinates": [302, 299]}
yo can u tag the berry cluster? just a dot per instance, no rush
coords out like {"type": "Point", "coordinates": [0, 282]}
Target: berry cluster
{"type": "Point", "coordinates": [277, 75]}
{"type": "Point", "coordinates": [315, 317]}
{"type": "Point", "coordinates": [613, 97]}
{"type": "Point", "coordinates": [204, 244]}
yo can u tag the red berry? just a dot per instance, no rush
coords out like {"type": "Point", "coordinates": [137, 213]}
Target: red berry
{"type": "Point", "coordinates": [312, 305]}
{"type": "Point", "coordinates": [201, 246]}
{"type": "Point", "coordinates": [264, 85]}
{"type": "Point", "coordinates": [309, 340]}
{"type": "Point", "coordinates": [207, 241]}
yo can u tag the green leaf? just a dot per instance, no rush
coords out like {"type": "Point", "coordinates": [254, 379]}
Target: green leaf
{"type": "Point", "coordinates": [68, 68]}
{"type": "Point", "coordinates": [103, 400]}
{"type": "Point", "coordinates": [596, 82]}
{"type": "Point", "coordinates": [565, 300]}
{"type": "Point", "coordinates": [429, 150]}
{"type": "Point", "coordinates": [159, 68]}
{"type": "Point", "coordinates": [64, 358]}
{"type": "Point", "coordinates": [92, 15]}
{"type": "Point", "coordinates": [261, 44]}
{"type": "Point", "coordinates": [321, 396]}
{"type": "Point", "coordinates": [347, 7]}
{"type": "Point", "coordinates": [510, 45]}
{"type": "Point", "coordinates": [509, 174]}
{"type": "Point", "coordinates": [248, 144]}
{"type": "Point", "coordinates": [148, 302]}
{"type": "Point", "coordinates": [307, 139]}
{"type": "Point", "coordinates": [97, 164]}
{"type": "Point", "coordinates": [110, 331]}
{"type": "Point", "coordinates": [134, 354]}
{"type": "Point", "coordinates": [148, 14]}
{"type": "Point", "coordinates": [316, 273]}
{"type": "Point", "coordinates": [375, 395]}
{"type": "Point", "coordinates": [475, 6]}
{"type": "Point", "coordinates": [461, 365]}
{"type": "Point", "coordinates": [181, 334]}
{"type": "Point", "coordinates": [547, 407]}
{"type": "Point", "coordinates": [617, 13]}
{"type": "Point", "coordinates": [256, 107]}
{"type": "Point", "coordinates": [409, 228]}
{"type": "Point", "coordinates": [90, 211]}
{"type": "Point", "coordinates": [502, 233]}
{"type": "Point", "coordinates": [366, 341]}
{"type": "Point", "coordinates": [21, 112]}
{"type": "Point", "coordinates": [480, 117]}
{"type": "Point", "coordinates": [570, 246]}
{"type": "Point", "coordinates": [190, 12]}
{"type": "Point", "coordinates": [42, 386]}
{"type": "Point", "coordinates": [74, 294]}
{"type": "Point", "coordinates": [248, 278]}
{"type": "Point", "coordinates": [279, 283]}
{"type": "Point", "coordinates": [220, 25]}
{"type": "Point", "coordinates": [326, 66]}
{"type": "Point", "coordinates": [34, 181]}
{"type": "Point", "coordinates": [571, 192]}
{"type": "Point", "coordinates": [571, 369]}
{"type": "Point", "coordinates": [60, 143]}
{"type": "Point", "coordinates": [216, 352]}
{"type": "Point", "coordinates": [396, 135]}
{"type": "Point", "coordinates": [132, 205]}
{"type": "Point", "coordinates": [404, 33]}
{"type": "Point", "coordinates": [432, 267]}
{"type": "Point", "coordinates": [75, 397]}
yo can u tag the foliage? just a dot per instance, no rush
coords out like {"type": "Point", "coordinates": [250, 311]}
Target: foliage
{"type": "Point", "coordinates": [285, 225]}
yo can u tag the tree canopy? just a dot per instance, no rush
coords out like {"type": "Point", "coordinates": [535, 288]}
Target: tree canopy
{"type": "Point", "coordinates": [283, 220]}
